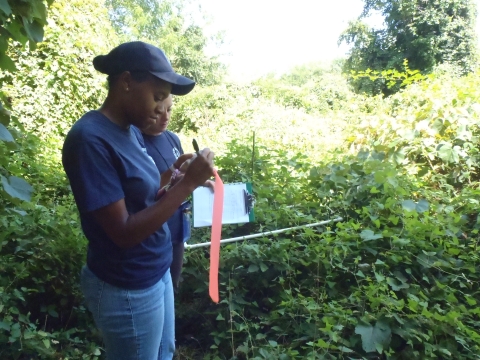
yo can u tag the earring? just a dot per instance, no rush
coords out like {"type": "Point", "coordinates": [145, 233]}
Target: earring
{"type": "Point", "coordinates": [126, 89]}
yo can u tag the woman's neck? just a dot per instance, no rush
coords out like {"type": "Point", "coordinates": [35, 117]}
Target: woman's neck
{"type": "Point", "coordinates": [114, 113]}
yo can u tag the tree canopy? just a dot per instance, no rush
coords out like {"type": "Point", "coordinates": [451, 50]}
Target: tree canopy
{"type": "Point", "coordinates": [165, 24]}
{"type": "Point", "coordinates": [425, 33]}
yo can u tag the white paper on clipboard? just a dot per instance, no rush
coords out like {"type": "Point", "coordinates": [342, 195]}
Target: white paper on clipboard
{"type": "Point", "coordinates": [235, 208]}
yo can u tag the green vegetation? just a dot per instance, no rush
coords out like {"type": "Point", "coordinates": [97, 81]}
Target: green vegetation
{"type": "Point", "coordinates": [425, 33]}
{"type": "Point", "coordinates": [397, 278]}
{"type": "Point", "coordinates": [163, 23]}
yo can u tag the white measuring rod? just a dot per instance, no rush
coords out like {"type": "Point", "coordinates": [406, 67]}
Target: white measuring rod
{"type": "Point", "coordinates": [247, 237]}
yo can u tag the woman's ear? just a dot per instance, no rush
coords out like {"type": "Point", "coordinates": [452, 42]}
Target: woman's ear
{"type": "Point", "coordinates": [125, 81]}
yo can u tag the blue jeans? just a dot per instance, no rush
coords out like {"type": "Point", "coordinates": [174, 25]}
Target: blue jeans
{"type": "Point", "coordinates": [135, 324]}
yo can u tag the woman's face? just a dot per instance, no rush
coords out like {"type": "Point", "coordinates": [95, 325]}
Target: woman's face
{"type": "Point", "coordinates": [145, 106]}
{"type": "Point", "coordinates": [162, 122]}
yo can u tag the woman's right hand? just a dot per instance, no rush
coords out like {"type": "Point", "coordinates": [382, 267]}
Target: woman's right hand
{"type": "Point", "coordinates": [183, 160]}
{"type": "Point", "coordinates": [200, 168]}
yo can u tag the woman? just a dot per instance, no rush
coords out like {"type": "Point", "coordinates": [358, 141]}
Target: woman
{"type": "Point", "coordinates": [166, 150]}
{"type": "Point", "coordinates": [126, 281]}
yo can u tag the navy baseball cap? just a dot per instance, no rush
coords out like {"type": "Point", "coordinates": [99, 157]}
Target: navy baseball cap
{"type": "Point", "coordinates": [139, 56]}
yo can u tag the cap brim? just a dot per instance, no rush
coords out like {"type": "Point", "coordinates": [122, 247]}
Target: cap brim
{"type": "Point", "coordinates": [181, 85]}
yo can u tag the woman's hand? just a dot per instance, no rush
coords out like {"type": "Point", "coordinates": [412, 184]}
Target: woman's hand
{"type": "Point", "coordinates": [210, 184]}
{"type": "Point", "coordinates": [182, 159]}
{"type": "Point", "coordinates": [199, 169]}
{"type": "Point", "coordinates": [181, 164]}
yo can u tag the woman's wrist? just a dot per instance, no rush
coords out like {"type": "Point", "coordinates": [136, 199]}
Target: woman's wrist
{"type": "Point", "coordinates": [187, 184]}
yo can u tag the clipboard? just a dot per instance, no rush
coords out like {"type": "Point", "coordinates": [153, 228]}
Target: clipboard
{"type": "Point", "coordinates": [249, 201]}
{"type": "Point", "coordinates": [238, 205]}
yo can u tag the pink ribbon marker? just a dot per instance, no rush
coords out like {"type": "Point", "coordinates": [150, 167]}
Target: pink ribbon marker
{"type": "Point", "coordinates": [215, 238]}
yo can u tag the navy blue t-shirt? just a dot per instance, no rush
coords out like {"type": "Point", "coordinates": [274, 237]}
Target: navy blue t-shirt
{"type": "Point", "coordinates": [165, 150]}
{"type": "Point", "coordinates": [105, 163]}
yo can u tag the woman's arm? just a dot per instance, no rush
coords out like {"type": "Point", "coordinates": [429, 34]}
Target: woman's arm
{"type": "Point", "coordinates": [127, 230]}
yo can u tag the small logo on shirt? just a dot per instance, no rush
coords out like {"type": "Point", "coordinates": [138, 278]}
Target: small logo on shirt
{"type": "Point", "coordinates": [176, 153]}
{"type": "Point", "coordinates": [146, 153]}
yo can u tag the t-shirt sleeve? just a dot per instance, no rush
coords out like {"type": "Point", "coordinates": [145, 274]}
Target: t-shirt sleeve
{"type": "Point", "coordinates": [94, 179]}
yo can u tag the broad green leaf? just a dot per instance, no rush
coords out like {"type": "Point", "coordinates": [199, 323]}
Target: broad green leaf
{"type": "Point", "coordinates": [470, 300]}
{"type": "Point", "coordinates": [15, 30]}
{"type": "Point", "coordinates": [399, 156]}
{"type": "Point", "coordinates": [409, 205]}
{"type": "Point", "coordinates": [401, 241]}
{"type": "Point", "coordinates": [253, 268]}
{"type": "Point", "coordinates": [263, 267]}
{"type": "Point", "coordinates": [397, 317]}
{"type": "Point", "coordinates": [38, 11]}
{"type": "Point", "coordinates": [345, 349]}
{"type": "Point", "coordinates": [368, 235]}
{"type": "Point", "coordinates": [5, 134]}
{"type": "Point", "coordinates": [53, 313]}
{"type": "Point", "coordinates": [400, 276]}
{"type": "Point", "coordinates": [265, 354]}
{"type": "Point", "coordinates": [448, 153]}
{"type": "Point", "coordinates": [20, 212]}
{"type": "Point", "coordinates": [446, 352]}
{"type": "Point", "coordinates": [18, 294]}
{"type": "Point", "coordinates": [28, 335]}
{"type": "Point", "coordinates": [6, 63]}
{"type": "Point", "coordinates": [396, 285]}
{"type": "Point", "coordinates": [373, 335]}
{"type": "Point", "coordinates": [425, 260]}
{"type": "Point", "coordinates": [422, 206]}
{"type": "Point", "coordinates": [17, 188]}
{"type": "Point", "coordinates": [5, 7]}
{"type": "Point", "coordinates": [34, 30]}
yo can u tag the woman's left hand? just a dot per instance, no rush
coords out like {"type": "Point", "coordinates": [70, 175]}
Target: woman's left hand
{"type": "Point", "coordinates": [210, 184]}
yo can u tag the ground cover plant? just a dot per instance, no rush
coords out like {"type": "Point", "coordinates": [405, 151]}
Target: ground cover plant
{"type": "Point", "coordinates": [395, 279]}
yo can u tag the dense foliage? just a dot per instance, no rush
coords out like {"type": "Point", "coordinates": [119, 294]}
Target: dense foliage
{"type": "Point", "coordinates": [396, 278]}
{"type": "Point", "coordinates": [425, 33]}
{"type": "Point", "coordinates": [21, 22]}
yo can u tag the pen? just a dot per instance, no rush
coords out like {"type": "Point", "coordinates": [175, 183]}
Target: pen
{"type": "Point", "coordinates": [195, 146]}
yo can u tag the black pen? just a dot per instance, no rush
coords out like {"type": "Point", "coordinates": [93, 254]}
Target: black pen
{"type": "Point", "coordinates": [195, 146]}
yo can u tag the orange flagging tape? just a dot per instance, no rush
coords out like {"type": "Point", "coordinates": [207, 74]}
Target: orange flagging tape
{"type": "Point", "coordinates": [215, 239]}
